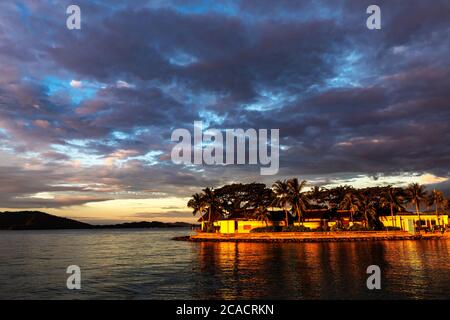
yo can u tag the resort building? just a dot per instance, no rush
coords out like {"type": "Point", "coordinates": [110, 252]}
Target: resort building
{"type": "Point", "coordinates": [408, 220]}
{"type": "Point", "coordinates": [244, 221]}
{"type": "Point", "coordinates": [244, 225]}
{"type": "Point", "coordinates": [324, 218]}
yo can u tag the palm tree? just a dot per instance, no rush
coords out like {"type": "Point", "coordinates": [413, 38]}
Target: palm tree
{"type": "Point", "coordinates": [393, 199]}
{"type": "Point", "coordinates": [317, 195]}
{"type": "Point", "coordinates": [263, 201]}
{"type": "Point", "coordinates": [211, 202]}
{"type": "Point", "coordinates": [438, 200]}
{"type": "Point", "coordinates": [262, 214]}
{"type": "Point", "coordinates": [197, 203]}
{"type": "Point", "coordinates": [350, 202]}
{"type": "Point", "coordinates": [281, 200]}
{"type": "Point", "coordinates": [297, 198]}
{"type": "Point", "coordinates": [415, 195]}
{"type": "Point", "coordinates": [367, 206]}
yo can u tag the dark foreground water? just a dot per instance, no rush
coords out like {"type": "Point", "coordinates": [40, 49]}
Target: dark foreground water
{"type": "Point", "coordinates": [146, 264]}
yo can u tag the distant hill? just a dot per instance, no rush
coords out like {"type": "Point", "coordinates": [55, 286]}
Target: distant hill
{"type": "Point", "coordinates": [36, 220]}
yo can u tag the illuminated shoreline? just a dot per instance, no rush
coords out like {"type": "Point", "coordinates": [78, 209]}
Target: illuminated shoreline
{"type": "Point", "coordinates": [272, 237]}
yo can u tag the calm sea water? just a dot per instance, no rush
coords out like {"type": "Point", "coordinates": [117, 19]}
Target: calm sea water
{"type": "Point", "coordinates": [146, 264]}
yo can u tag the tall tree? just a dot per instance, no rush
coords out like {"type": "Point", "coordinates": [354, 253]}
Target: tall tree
{"type": "Point", "coordinates": [262, 214]}
{"type": "Point", "coordinates": [350, 202]}
{"type": "Point", "coordinates": [212, 203]}
{"type": "Point", "coordinates": [237, 196]}
{"type": "Point", "coordinates": [416, 194]}
{"type": "Point", "coordinates": [297, 197]}
{"type": "Point", "coordinates": [337, 195]}
{"type": "Point", "coordinates": [393, 199]}
{"type": "Point", "coordinates": [366, 205]}
{"type": "Point", "coordinates": [317, 196]}
{"type": "Point", "coordinates": [197, 204]}
{"type": "Point", "coordinates": [438, 200]}
{"type": "Point", "coordinates": [261, 204]}
{"type": "Point", "coordinates": [281, 191]}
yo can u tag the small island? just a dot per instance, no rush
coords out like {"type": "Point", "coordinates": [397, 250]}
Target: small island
{"type": "Point", "coordinates": [286, 212]}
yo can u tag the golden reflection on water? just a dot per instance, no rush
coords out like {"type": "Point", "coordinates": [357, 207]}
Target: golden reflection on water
{"type": "Point", "coordinates": [146, 264]}
{"type": "Point", "coordinates": [322, 270]}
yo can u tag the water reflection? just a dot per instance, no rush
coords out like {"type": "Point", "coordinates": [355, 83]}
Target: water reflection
{"type": "Point", "coordinates": [146, 264]}
{"type": "Point", "coordinates": [321, 270]}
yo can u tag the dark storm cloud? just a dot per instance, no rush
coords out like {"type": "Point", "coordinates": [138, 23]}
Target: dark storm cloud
{"type": "Point", "coordinates": [224, 55]}
{"type": "Point", "coordinates": [97, 106]}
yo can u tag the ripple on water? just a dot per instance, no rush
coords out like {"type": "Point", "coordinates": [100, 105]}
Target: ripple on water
{"type": "Point", "coordinates": [146, 264]}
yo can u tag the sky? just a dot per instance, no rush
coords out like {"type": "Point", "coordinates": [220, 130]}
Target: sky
{"type": "Point", "coordinates": [86, 115]}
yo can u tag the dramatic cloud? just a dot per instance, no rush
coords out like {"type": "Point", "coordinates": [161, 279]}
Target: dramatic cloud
{"type": "Point", "coordinates": [86, 115]}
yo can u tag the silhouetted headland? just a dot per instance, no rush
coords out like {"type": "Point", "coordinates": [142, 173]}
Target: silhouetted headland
{"type": "Point", "coordinates": [36, 220]}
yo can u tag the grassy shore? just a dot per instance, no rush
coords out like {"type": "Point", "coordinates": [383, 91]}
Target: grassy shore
{"type": "Point", "coordinates": [311, 236]}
